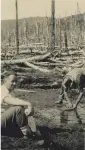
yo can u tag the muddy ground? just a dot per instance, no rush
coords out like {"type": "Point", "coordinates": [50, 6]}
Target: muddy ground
{"type": "Point", "coordinates": [65, 128]}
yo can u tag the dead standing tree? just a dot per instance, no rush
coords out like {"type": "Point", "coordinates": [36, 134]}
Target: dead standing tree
{"type": "Point", "coordinates": [17, 27]}
{"type": "Point", "coordinates": [38, 31]}
{"type": "Point", "coordinates": [65, 36]}
{"type": "Point", "coordinates": [53, 25]}
{"type": "Point", "coordinates": [79, 28]}
{"type": "Point", "coordinates": [9, 37]}
{"type": "Point", "coordinates": [60, 33]}
{"type": "Point", "coordinates": [47, 31]}
{"type": "Point", "coordinates": [26, 33]}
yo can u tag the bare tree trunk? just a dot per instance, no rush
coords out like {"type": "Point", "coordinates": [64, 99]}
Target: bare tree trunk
{"type": "Point", "coordinates": [66, 42]}
{"type": "Point", "coordinates": [17, 28]}
{"type": "Point", "coordinates": [65, 35]}
{"type": "Point", "coordinates": [53, 26]}
{"type": "Point", "coordinates": [60, 34]}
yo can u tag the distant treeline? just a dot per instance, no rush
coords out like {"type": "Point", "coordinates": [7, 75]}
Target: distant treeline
{"type": "Point", "coordinates": [38, 29]}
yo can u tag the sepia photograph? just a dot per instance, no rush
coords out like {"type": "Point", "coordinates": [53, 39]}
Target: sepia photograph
{"type": "Point", "coordinates": [42, 74]}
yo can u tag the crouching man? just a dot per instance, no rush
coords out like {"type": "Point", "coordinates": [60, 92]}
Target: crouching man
{"type": "Point", "coordinates": [74, 79]}
{"type": "Point", "coordinates": [18, 120]}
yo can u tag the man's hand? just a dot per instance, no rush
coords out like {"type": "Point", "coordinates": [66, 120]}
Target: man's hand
{"type": "Point", "coordinates": [28, 110]}
{"type": "Point", "coordinates": [73, 107]}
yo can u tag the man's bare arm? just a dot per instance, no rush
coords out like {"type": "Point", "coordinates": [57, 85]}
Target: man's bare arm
{"type": "Point", "coordinates": [67, 98]}
{"type": "Point", "coordinates": [64, 84]}
{"type": "Point", "coordinates": [65, 92]}
{"type": "Point", "coordinates": [78, 100]}
{"type": "Point", "coordinates": [15, 101]}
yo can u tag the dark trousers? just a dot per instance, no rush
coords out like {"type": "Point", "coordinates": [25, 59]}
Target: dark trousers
{"type": "Point", "coordinates": [12, 120]}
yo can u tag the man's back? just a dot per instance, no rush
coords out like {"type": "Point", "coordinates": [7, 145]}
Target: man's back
{"type": "Point", "coordinates": [75, 74]}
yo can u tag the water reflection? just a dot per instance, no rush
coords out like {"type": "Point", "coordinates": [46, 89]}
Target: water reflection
{"type": "Point", "coordinates": [72, 117]}
{"type": "Point", "coordinates": [64, 117]}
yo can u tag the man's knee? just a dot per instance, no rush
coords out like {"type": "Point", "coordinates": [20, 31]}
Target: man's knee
{"type": "Point", "coordinates": [21, 109]}
{"type": "Point", "coordinates": [10, 113]}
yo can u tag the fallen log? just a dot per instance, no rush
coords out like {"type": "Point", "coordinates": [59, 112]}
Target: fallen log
{"type": "Point", "coordinates": [36, 67]}
{"type": "Point", "coordinates": [44, 70]}
{"type": "Point", "coordinates": [78, 64]}
{"type": "Point", "coordinates": [46, 64]}
{"type": "Point", "coordinates": [30, 67]}
{"type": "Point", "coordinates": [24, 90]}
{"type": "Point", "coordinates": [40, 57]}
{"type": "Point", "coordinates": [40, 86]}
{"type": "Point", "coordinates": [21, 69]}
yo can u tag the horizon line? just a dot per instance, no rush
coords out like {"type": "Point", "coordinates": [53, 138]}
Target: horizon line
{"type": "Point", "coordinates": [42, 17]}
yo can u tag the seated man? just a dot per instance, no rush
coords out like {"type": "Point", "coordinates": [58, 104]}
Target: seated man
{"type": "Point", "coordinates": [17, 120]}
{"type": "Point", "coordinates": [73, 79]}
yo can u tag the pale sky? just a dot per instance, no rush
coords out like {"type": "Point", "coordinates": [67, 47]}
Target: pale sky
{"type": "Point", "coordinates": [30, 8]}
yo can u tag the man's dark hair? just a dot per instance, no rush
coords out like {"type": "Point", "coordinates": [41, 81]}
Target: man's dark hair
{"type": "Point", "coordinates": [6, 74]}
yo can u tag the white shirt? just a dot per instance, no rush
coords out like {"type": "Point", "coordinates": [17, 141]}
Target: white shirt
{"type": "Point", "coordinates": [73, 74]}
